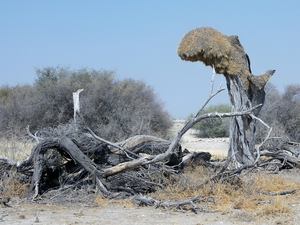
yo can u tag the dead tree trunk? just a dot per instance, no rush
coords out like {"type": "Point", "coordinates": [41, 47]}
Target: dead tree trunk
{"type": "Point", "coordinates": [245, 92]}
{"type": "Point", "coordinates": [76, 102]}
{"type": "Point", "coordinates": [227, 56]}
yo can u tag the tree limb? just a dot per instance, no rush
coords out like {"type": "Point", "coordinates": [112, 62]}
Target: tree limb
{"type": "Point", "coordinates": [284, 192]}
{"type": "Point", "coordinates": [166, 155]}
{"type": "Point", "coordinates": [112, 144]}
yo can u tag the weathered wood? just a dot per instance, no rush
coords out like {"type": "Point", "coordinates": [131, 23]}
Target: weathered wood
{"type": "Point", "coordinates": [195, 158]}
{"type": "Point", "coordinates": [284, 192]}
{"type": "Point", "coordinates": [242, 129]}
{"type": "Point", "coordinates": [152, 147]}
{"type": "Point", "coordinates": [197, 118]}
{"type": "Point", "coordinates": [7, 161]}
{"type": "Point", "coordinates": [76, 102]}
{"type": "Point", "coordinates": [149, 201]}
{"type": "Point", "coordinates": [124, 166]}
{"type": "Point", "coordinates": [293, 148]}
{"type": "Point", "coordinates": [128, 153]}
{"type": "Point", "coordinates": [227, 56]}
{"type": "Point", "coordinates": [68, 146]}
{"type": "Point", "coordinates": [37, 157]}
{"type": "Point", "coordinates": [131, 176]}
{"type": "Point", "coordinates": [137, 141]}
{"type": "Point", "coordinates": [169, 204]}
{"type": "Point", "coordinates": [4, 201]}
{"type": "Point", "coordinates": [163, 157]}
{"type": "Point", "coordinates": [64, 146]}
{"type": "Point", "coordinates": [281, 155]}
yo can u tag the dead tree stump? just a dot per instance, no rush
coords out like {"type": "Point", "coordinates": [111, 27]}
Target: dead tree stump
{"type": "Point", "coordinates": [227, 56]}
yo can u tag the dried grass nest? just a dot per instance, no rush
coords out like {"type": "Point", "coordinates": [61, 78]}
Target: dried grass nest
{"type": "Point", "coordinates": [213, 48]}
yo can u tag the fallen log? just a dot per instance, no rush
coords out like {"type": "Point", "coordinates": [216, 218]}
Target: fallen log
{"type": "Point", "coordinates": [59, 162]}
{"type": "Point", "coordinates": [292, 147]}
{"type": "Point", "coordinates": [68, 149]}
{"type": "Point", "coordinates": [196, 158]}
{"type": "Point", "coordinates": [280, 154]}
{"type": "Point", "coordinates": [284, 192]}
{"type": "Point", "coordinates": [124, 166]}
{"type": "Point", "coordinates": [149, 201]}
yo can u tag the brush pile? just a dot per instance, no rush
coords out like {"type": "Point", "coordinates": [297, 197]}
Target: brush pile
{"type": "Point", "coordinates": [70, 157]}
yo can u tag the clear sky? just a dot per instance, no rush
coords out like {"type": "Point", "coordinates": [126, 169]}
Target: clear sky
{"type": "Point", "coordinates": [138, 39]}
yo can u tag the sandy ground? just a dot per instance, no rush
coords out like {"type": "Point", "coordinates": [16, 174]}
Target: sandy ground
{"type": "Point", "coordinates": [114, 214]}
{"type": "Point", "coordinates": [119, 214]}
{"type": "Point", "coordinates": [216, 146]}
{"type": "Point", "coordinates": [36, 213]}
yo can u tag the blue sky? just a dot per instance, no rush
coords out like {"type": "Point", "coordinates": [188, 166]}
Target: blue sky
{"type": "Point", "coordinates": [138, 39]}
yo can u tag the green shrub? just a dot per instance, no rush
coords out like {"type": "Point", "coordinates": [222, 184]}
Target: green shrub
{"type": "Point", "coordinates": [214, 127]}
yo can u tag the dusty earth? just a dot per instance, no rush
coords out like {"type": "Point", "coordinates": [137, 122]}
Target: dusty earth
{"type": "Point", "coordinates": [118, 213]}
{"type": "Point", "coordinates": [216, 146]}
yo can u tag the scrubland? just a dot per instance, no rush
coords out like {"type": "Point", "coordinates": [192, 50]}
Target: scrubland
{"type": "Point", "coordinates": [254, 197]}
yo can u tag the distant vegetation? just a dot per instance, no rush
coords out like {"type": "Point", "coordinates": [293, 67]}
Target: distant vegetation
{"type": "Point", "coordinates": [214, 127]}
{"type": "Point", "coordinates": [115, 109]}
{"type": "Point", "coordinates": [281, 111]}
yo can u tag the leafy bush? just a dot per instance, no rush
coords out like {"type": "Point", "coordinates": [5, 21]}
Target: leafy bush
{"type": "Point", "coordinates": [280, 111]}
{"type": "Point", "coordinates": [115, 109]}
{"type": "Point", "coordinates": [214, 127]}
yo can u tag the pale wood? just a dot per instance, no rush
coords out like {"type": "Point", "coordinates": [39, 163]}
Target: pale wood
{"type": "Point", "coordinates": [173, 146]}
{"type": "Point", "coordinates": [76, 102]}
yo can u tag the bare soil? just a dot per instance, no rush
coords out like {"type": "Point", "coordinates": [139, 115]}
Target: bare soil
{"type": "Point", "coordinates": [116, 213]}
{"type": "Point", "coordinates": [113, 214]}
{"type": "Point", "coordinates": [218, 147]}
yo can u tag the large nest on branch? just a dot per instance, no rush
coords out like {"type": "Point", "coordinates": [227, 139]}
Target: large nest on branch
{"type": "Point", "coordinates": [213, 48]}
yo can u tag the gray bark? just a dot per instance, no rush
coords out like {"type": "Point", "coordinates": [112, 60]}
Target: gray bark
{"type": "Point", "coordinates": [245, 92]}
{"type": "Point", "coordinates": [227, 56]}
{"type": "Point", "coordinates": [65, 146]}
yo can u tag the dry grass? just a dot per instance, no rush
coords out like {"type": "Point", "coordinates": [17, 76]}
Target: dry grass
{"type": "Point", "coordinates": [248, 194]}
{"type": "Point", "coordinates": [15, 149]}
{"type": "Point", "coordinates": [277, 206]}
{"type": "Point", "coordinates": [12, 187]}
{"type": "Point", "coordinates": [102, 201]}
{"type": "Point", "coordinates": [213, 48]}
{"type": "Point", "coordinates": [275, 182]}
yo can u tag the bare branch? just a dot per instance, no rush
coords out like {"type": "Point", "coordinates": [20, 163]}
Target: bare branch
{"type": "Point", "coordinates": [284, 192]}
{"type": "Point", "coordinates": [281, 155]}
{"type": "Point", "coordinates": [124, 166]}
{"type": "Point", "coordinates": [31, 135]}
{"type": "Point", "coordinates": [257, 148]}
{"type": "Point", "coordinates": [76, 102]}
{"type": "Point", "coordinates": [260, 120]}
{"type": "Point", "coordinates": [208, 99]}
{"type": "Point", "coordinates": [212, 80]}
{"type": "Point", "coordinates": [191, 123]}
{"type": "Point", "coordinates": [112, 144]}
{"type": "Point", "coordinates": [139, 200]}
